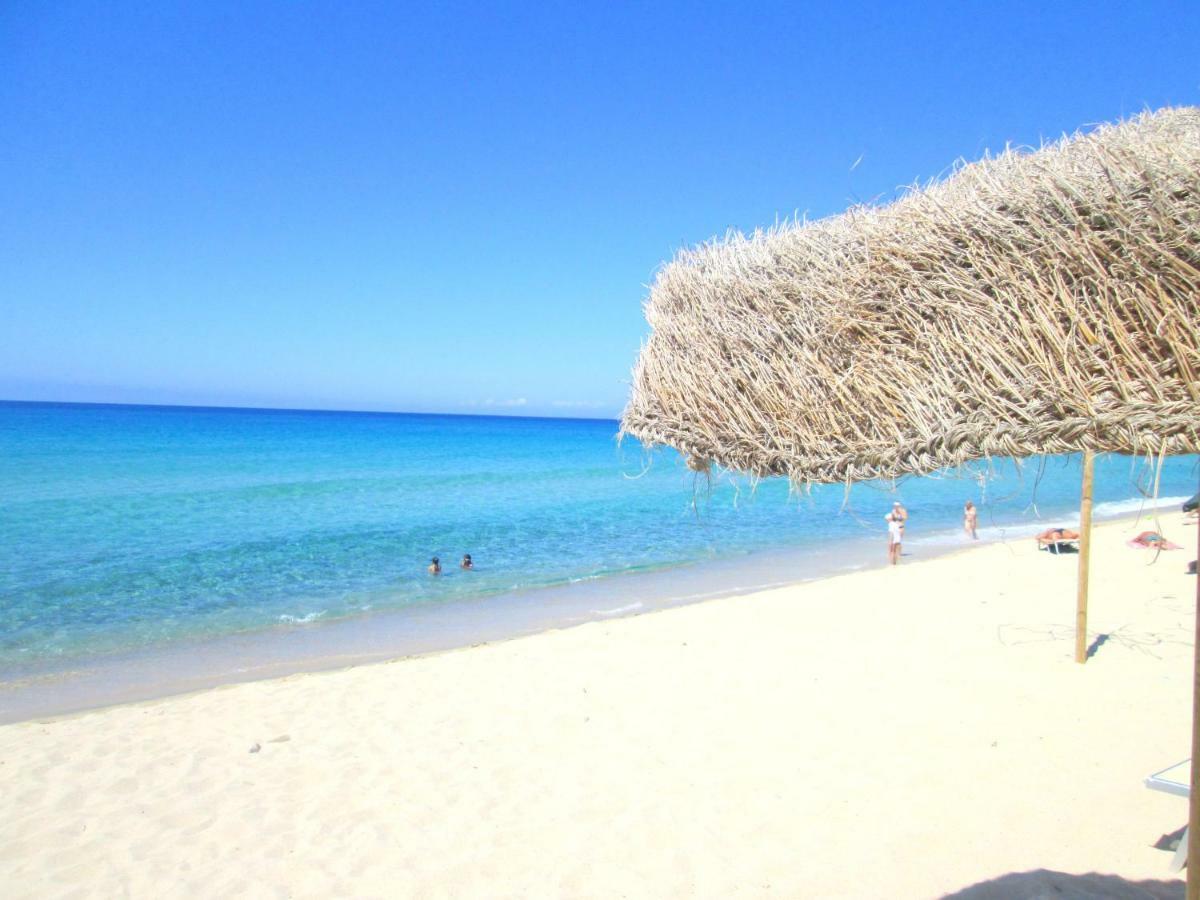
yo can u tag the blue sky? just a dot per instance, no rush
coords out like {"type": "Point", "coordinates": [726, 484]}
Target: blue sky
{"type": "Point", "coordinates": [458, 207]}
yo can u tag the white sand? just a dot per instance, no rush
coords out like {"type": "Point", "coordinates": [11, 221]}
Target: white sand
{"type": "Point", "coordinates": [895, 733]}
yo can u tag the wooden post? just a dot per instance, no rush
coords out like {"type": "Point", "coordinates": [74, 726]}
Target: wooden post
{"type": "Point", "coordinates": [1085, 547]}
{"type": "Point", "coordinates": [1193, 835]}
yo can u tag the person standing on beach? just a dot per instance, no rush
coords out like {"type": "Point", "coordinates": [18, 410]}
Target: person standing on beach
{"type": "Point", "coordinates": [895, 535]}
{"type": "Point", "coordinates": [435, 567]}
{"type": "Point", "coordinates": [901, 514]}
{"type": "Point", "coordinates": [970, 517]}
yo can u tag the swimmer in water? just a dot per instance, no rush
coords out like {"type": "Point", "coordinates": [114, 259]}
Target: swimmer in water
{"type": "Point", "coordinates": [435, 567]}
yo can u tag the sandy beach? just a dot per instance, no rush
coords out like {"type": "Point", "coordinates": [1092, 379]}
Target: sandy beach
{"type": "Point", "coordinates": [917, 732]}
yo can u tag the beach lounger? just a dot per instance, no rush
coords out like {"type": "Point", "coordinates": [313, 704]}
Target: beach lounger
{"type": "Point", "coordinates": [1177, 780]}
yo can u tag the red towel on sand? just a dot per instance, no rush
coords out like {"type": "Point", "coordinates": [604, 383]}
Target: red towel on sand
{"type": "Point", "coordinates": [1147, 539]}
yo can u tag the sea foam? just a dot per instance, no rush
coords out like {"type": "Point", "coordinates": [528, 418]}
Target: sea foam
{"type": "Point", "coordinates": [302, 620]}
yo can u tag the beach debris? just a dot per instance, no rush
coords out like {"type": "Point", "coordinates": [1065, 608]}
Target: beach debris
{"type": "Point", "coordinates": [282, 739]}
{"type": "Point", "coordinates": [255, 747]}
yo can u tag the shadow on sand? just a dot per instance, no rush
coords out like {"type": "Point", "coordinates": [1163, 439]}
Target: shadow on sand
{"type": "Point", "coordinates": [1060, 549]}
{"type": "Point", "coordinates": [1171, 841]}
{"type": "Point", "coordinates": [1043, 884]}
{"type": "Point", "coordinates": [1100, 641]}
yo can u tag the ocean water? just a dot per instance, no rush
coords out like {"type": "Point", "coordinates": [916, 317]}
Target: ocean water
{"type": "Point", "coordinates": [125, 529]}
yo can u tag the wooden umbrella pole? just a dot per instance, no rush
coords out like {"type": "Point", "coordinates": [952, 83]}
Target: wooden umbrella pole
{"type": "Point", "coordinates": [1085, 548]}
{"type": "Point", "coordinates": [1193, 835]}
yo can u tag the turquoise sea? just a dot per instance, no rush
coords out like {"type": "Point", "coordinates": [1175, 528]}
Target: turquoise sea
{"type": "Point", "coordinates": [133, 529]}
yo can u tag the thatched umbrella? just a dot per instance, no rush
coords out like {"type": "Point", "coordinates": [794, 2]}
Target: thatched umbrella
{"type": "Point", "coordinates": [1042, 302]}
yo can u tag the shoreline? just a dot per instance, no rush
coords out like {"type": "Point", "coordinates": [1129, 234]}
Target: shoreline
{"type": "Point", "coordinates": [744, 747]}
{"type": "Point", "coordinates": [186, 666]}
{"type": "Point", "coordinates": [397, 634]}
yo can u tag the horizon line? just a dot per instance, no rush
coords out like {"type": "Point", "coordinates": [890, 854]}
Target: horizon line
{"type": "Point", "coordinates": [299, 409]}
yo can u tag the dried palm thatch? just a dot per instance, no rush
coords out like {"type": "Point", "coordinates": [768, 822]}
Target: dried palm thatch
{"type": "Point", "coordinates": [1038, 302]}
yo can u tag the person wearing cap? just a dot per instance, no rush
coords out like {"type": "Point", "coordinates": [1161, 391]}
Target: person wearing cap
{"type": "Point", "coordinates": [895, 519]}
{"type": "Point", "coordinates": [435, 567]}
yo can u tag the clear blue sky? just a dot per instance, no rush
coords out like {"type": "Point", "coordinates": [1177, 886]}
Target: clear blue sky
{"type": "Point", "coordinates": [458, 207]}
